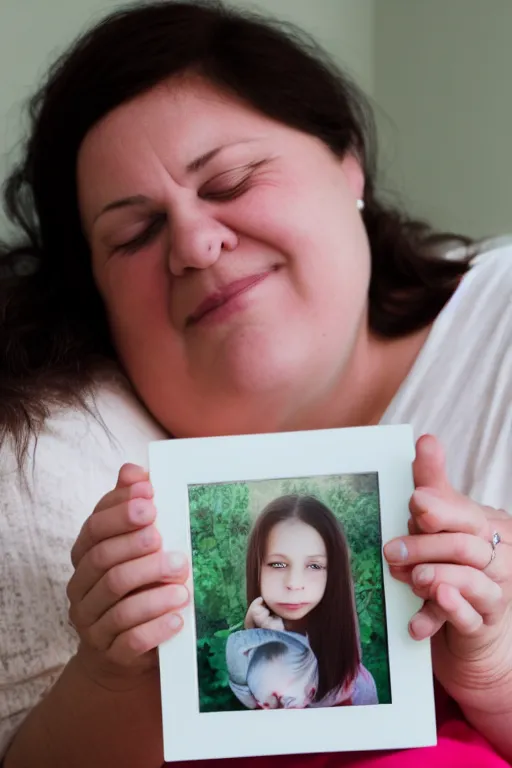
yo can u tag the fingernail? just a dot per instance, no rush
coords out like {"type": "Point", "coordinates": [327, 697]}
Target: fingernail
{"type": "Point", "coordinates": [175, 621]}
{"type": "Point", "coordinates": [419, 627]}
{"type": "Point", "coordinates": [180, 594]}
{"type": "Point", "coordinates": [143, 513]}
{"type": "Point", "coordinates": [423, 575]}
{"type": "Point", "coordinates": [396, 551]}
{"type": "Point", "coordinates": [176, 561]}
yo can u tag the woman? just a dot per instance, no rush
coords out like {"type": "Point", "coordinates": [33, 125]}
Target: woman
{"type": "Point", "coordinates": [199, 192]}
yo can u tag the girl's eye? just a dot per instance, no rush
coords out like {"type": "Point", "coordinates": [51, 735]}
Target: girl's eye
{"type": "Point", "coordinates": [316, 566]}
{"type": "Point", "coordinates": [145, 237]}
{"type": "Point", "coordinates": [277, 565]}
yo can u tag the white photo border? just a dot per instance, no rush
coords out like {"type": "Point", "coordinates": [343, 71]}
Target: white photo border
{"type": "Point", "coordinates": [409, 721]}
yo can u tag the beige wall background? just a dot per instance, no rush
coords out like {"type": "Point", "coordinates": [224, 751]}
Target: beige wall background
{"type": "Point", "coordinates": [438, 70]}
{"type": "Point", "coordinates": [443, 72]}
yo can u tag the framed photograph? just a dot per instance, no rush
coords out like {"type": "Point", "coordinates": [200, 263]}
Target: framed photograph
{"type": "Point", "coordinates": [296, 640]}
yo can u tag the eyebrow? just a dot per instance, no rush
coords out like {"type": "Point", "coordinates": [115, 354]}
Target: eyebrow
{"type": "Point", "coordinates": [122, 203]}
{"type": "Point", "coordinates": [200, 162]}
{"type": "Point", "coordinates": [284, 557]}
{"type": "Point", "coordinates": [193, 167]}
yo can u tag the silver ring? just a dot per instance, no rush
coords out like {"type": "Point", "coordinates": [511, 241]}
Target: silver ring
{"type": "Point", "coordinates": [496, 538]}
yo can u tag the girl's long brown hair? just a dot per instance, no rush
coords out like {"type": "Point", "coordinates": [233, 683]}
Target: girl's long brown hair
{"type": "Point", "coordinates": [332, 626]}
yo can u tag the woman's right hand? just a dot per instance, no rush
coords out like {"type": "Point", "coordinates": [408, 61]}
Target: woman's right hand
{"type": "Point", "coordinates": [126, 593]}
{"type": "Point", "coordinates": [259, 616]}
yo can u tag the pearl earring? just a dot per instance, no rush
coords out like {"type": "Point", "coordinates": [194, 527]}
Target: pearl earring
{"type": "Point", "coordinates": [360, 205]}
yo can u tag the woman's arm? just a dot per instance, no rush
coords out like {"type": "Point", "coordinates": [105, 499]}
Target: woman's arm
{"type": "Point", "coordinates": [495, 727]}
{"type": "Point", "coordinates": [82, 724]}
{"type": "Point", "coordinates": [125, 599]}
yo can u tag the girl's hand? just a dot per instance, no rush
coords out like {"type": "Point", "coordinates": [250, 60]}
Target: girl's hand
{"type": "Point", "coordinates": [259, 616]}
{"type": "Point", "coordinates": [449, 561]}
{"type": "Point", "coordinates": [126, 593]}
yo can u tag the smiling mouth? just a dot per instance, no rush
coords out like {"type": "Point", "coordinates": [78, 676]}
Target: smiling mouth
{"type": "Point", "coordinates": [222, 297]}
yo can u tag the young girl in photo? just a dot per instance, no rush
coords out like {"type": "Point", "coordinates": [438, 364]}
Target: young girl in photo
{"type": "Point", "coordinates": [299, 581]}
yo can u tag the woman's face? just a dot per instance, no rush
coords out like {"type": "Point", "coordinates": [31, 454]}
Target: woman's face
{"type": "Point", "coordinates": [230, 255]}
{"type": "Point", "coordinates": [294, 570]}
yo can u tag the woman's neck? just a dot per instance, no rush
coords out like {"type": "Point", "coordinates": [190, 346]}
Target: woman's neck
{"type": "Point", "coordinates": [364, 391]}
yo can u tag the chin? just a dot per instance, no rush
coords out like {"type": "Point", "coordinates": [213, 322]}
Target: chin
{"type": "Point", "coordinates": [294, 616]}
{"type": "Point", "coordinates": [263, 361]}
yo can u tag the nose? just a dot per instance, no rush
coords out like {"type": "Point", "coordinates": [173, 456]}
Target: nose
{"type": "Point", "coordinates": [197, 241]}
{"type": "Point", "coordinates": [294, 580]}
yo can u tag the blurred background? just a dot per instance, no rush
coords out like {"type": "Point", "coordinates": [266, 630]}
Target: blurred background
{"type": "Point", "coordinates": [437, 71]}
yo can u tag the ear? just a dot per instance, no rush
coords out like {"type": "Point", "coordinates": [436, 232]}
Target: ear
{"type": "Point", "coordinates": [354, 174]}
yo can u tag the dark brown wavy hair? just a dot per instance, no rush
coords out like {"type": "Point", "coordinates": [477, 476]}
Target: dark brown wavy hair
{"type": "Point", "coordinates": [54, 336]}
{"type": "Point", "coordinates": [332, 626]}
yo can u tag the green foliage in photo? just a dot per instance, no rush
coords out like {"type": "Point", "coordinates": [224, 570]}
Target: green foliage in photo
{"type": "Point", "coordinates": [220, 517]}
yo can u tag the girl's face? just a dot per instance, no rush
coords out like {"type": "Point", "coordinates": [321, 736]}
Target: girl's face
{"type": "Point", "coordinates": [294, 570]}
{"type": "Point", "coordinates": [230, 255]}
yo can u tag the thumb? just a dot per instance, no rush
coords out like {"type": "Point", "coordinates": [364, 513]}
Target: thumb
{"type": "Point", "coordinates": [130, 474]}
{"type": "Point", "coordinates": [429, 465]}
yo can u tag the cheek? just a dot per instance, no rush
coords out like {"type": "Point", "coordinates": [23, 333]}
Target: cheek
{"type": "Point", "coordinates": [269, 583]}
{"type": "Point", "coordinates": [135, 296]}
{"type": "Point", "coordinates": [319, 584]}
{"type": "Point", "coordinates": [332, 282]}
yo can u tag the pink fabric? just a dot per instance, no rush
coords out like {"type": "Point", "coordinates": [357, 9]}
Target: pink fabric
{"type": "Point", "coordinates": [458, 746]}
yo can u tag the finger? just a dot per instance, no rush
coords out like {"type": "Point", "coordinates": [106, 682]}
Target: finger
{"type": "Point", "coordinates": [427, 621]}
{"type": "Point", "coordinates": [118, 512]}
{"type": "Point", "coordinates": [481, 592]}
{"type": "Point", "coordinates": [135, 610]}
{"type": "Point", "coordinates": [142, 489]}
{"type": "Point", "coordinates": [132, 644]}
{"type": "Point", "coordinates": [500, 520]}
{"type": "Point", "coordinates": [412, 527]}
{"type": "Point", "coordinates": [401, 574]}
{"type": "Point", "coordinates": [159, 567]}
{"type": "Point", "coordinates": [458, 548]}
{"type": "Point", "coordinates": [434, 512]}
{"type": "Point", "coordinates": [271, 623]}
{"type": "Point", "coordinates": [130, 474]}
{"type": "Point", "coordinates": [429, 465]}
{"type": "Point", "coordinates": [497, 514]}
{"type": "Point", "coordinates": [461, 615]}
{"type": "Point", "coordinates": [261, 613]}
{"type": "Point", "coordinates": [108, 553]}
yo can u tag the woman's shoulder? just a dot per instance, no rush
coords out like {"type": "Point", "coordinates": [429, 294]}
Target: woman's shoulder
{"type": "Point", "coordinates": [460, 387]}
{"type": "Point", "coordinates": [43, 503]}
{"type": "Point", "coordinates": [484, 293]}
{"type": "Point", "coordinates": [492, 268]}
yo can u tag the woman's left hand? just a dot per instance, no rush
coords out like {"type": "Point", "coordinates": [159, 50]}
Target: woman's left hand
{"type": "Point", "coordinates": [449, 561]}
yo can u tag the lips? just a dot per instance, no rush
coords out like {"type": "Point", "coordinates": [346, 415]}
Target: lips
{"type": "Point", "coordinates": [292, 606]}
{"type": "Point", "coordinates": [223, 295]}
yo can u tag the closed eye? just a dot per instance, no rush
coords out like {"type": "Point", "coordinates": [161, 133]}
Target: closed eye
{"type": "Point", "coordinates": [230, 193]}
{"type": "Point", "coordinates": [229, 185]}
{"type": "Point", "coordinates": [145, 237]}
